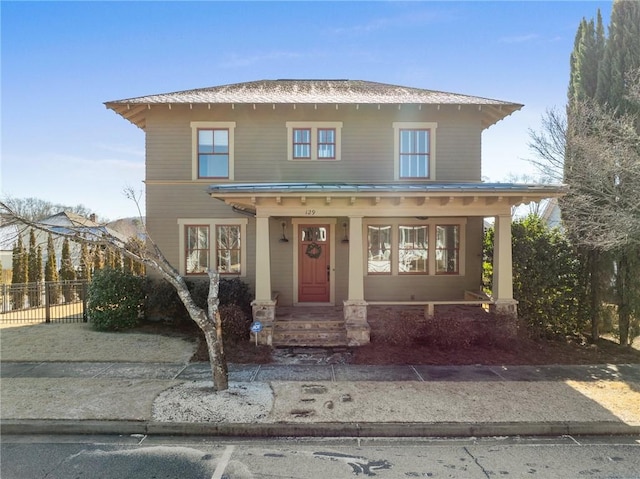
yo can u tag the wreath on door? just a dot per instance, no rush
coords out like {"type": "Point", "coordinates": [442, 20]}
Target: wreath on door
{"type": "Point", "coordinates": [313, 250]}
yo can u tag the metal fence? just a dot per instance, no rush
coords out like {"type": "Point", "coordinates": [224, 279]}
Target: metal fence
{"type": "Point", "coordinates": [64, 301]}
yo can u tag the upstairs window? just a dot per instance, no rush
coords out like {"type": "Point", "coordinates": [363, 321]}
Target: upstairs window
{"type": "Point", "coordinates": [313, 141]}
{"type": "Point", "coordinates": [212, 150]}
{"type": "Point", "coordinates": [414, 147]}
{"type": "Point", "coordinates": [326, 143]}
{"type": "Point", "coordinates": [302, 143]}
{"type": "Point", "coordinates": [213, 153]}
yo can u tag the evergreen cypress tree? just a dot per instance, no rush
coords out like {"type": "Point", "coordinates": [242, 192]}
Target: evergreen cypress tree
{"type": "Point", "coordinates": [51, 272]}
{"type": "Point", "coordinates": [67, 273]}
{"type": "Point", "coordinates": [32, 274]}
{"type": "Point", "coordinates": [19, 274]}
{"type": "Point", "coordinates": [85, 263]}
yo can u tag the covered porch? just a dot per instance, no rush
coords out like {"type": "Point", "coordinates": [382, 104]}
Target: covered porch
{"type": "Point", "coordinates": [350, 206]}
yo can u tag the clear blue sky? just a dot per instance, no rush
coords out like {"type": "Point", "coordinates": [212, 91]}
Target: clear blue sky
{"type": "Point", "coordinates": [62, 60]}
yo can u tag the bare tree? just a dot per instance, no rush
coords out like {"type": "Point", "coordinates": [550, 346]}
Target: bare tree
{"type": "Point", "coordinates": [150, 255]}
{"type": "Point", "coordinates": [35, 209]}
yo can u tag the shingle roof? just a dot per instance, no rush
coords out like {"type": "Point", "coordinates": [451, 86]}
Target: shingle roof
{"type": "Point", "coordinates": [313, 91]}
{"type": "Point", "coordinates": [354, 92]}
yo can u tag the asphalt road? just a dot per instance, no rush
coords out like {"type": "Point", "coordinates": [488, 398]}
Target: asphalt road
{"type": "Point", "coordinates": [142, 457]}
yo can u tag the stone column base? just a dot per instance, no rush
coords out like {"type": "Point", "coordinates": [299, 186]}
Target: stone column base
{"type": "Point", "coordinates": [265, 312]}
{"type": "Point", "coordinates": [355, 318]}
{"type": "Point", "coordinates": [507, 310]}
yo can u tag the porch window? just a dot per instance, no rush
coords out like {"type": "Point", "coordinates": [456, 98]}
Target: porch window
{"type": "Point", "coordinates": [413, 249]}
{"type": "Point", "coordinates": [228, 249]}
{"type": "Point", "coordinates": [447, 249]}
{"type": "Point", "coordinates": [197, 249]}
{"type": "Point", "coordinates": [213, 153]}
{"type": "Point", "coordinates": [313, 141]}
{"type": "Point", "coordinates": [379, 249]}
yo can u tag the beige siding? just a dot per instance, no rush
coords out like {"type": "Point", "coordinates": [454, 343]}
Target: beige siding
{"type": "Point", "coordinates": [261, 156]}
{"type": "Point", "coordinates": [261, 142]}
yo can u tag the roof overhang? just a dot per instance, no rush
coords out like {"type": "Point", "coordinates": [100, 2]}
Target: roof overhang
{"type": "Point", "coordinates": [345, 199]}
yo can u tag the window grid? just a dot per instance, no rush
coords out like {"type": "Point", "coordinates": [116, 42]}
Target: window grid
{"type": "Point", "coordinates": [414, 153]}
{"type": "Point", "coordinates": [326, 143]}
{"type": "Point", "coordinates": [447, 249]}
{"type": "Point", "coordinates": [379, 249]}
{"type": "Point", "coordinates": [213, 152]}
{"type": "Point", "coordinates": [228, 249]}
{"type": "Point", "coordinates": [302, 143]}
{"type": "Point", "coordinates": [197, 249]}
{"type": "Point", "coordinates": [413, 249]}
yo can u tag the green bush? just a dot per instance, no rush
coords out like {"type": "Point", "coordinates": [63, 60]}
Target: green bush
{"type": "Point", "coordinates": [547, 279]}
{"type": "Point", "coordinates": [115, 299]}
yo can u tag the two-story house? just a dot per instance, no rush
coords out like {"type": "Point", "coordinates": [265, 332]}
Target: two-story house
{"type": "Point", "coordinates": [331, 192]}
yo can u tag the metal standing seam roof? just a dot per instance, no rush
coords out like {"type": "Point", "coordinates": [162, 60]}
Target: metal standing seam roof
{"type": "Point", "coordinates": [355, 92]}
{"type": "Point", "coordinates": [362, 188]}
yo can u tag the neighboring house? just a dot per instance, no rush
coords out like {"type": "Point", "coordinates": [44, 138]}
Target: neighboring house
{"type": "Point", "coordinates": [65, 223]}
{"type": "Point", "coordinates": [8, 235]}
{"type": "Point", "coordinates": [550, 213]}
{"type": "Point", "coordinates": [330, 192]}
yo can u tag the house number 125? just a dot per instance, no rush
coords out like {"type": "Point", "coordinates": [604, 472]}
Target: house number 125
{"type": "Point", "coordinates": [310, 212]}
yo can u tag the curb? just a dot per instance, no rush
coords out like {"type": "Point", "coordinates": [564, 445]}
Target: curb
{"type": "Point", "coordinates": [96, 427]}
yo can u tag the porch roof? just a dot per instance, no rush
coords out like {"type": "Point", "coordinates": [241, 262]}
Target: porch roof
{"type": "Point", "coordinates": [269, 189]}
{"type": "Point", "coordinates": [448, 197]}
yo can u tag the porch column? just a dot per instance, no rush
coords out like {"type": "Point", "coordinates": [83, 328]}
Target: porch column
{"type": "Point", "coordinates": [263, 307]}
{"type": "Point", "coordinates": [503, 268]}
{"type": "Point", "coordinates": [356, 263]}
{"type": "Point", "coordinates": [355, 307]}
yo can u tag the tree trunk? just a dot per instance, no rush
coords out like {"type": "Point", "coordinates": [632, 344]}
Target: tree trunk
{"type": "Point", "coordinates": [624, 308]}
{"type": "Point", "coordinates": [594, 293]}
{"type": "Point", "coordinates": [213, 335]}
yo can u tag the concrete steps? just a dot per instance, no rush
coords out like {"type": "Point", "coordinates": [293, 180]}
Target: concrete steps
{"type": "Point", "coordinates": [314, 333]}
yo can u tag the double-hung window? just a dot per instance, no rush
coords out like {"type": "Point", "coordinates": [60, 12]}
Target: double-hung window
{"type": "Point", "coordinates": [197, 249]}
{"type": "Point", "coordinates": [228, 249]}
{"type": "Point", "coordinates": [379, 249]}
{"type": "Point", "coordinates": [413, 249]}
{"type": "Point", "coordinates": [447, 249]}
{"type": "Point", "coordinates": [414, 150]}
{"type": "Point", "coordinates": [212, 149]}
{"type": "Point", "coordinates": [213, 243]}
{"type": "Point", "coordinates": [315, 141]}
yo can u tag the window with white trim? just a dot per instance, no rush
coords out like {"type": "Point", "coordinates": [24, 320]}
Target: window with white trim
{"type": "Point", "coordinates": [447, 249]}
{"type": "Point", "coordinates": [313, 141]}
{"type": "Point", "coordinates": [414, 150]}
{"type": "Point", "coordinates": [210, 242]}
{"type": "Point", "coordinates": [212, 149]}
{"type": "Point", "coordinates": [401, 247]}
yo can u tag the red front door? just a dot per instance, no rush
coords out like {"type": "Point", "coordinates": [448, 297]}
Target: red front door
{"type": "Point", "coordinates": [313, 264]}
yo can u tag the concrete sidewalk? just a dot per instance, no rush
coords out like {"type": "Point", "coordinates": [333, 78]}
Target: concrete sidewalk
{"type": "Point", "coordinates": [329, 399]}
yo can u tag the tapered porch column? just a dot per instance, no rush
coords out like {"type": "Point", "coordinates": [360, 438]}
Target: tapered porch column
{"type": "Point", "coordinates": [503, 268]}
{"type": "Point", "coordinates": [264, 307]}
{"type": "Point", "coordinates": [355, 307]}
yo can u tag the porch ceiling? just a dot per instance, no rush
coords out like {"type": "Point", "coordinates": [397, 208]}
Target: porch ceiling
{"type": "Point", "coordinates": [433, 199]}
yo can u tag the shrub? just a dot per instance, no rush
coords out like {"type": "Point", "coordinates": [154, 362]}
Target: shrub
{"type": "Point", "coordinates": [115, 298]}
{"type": "Point", "coordinates": [162, 302]}
{"type": "Point", "coordinates": [235, 323]}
